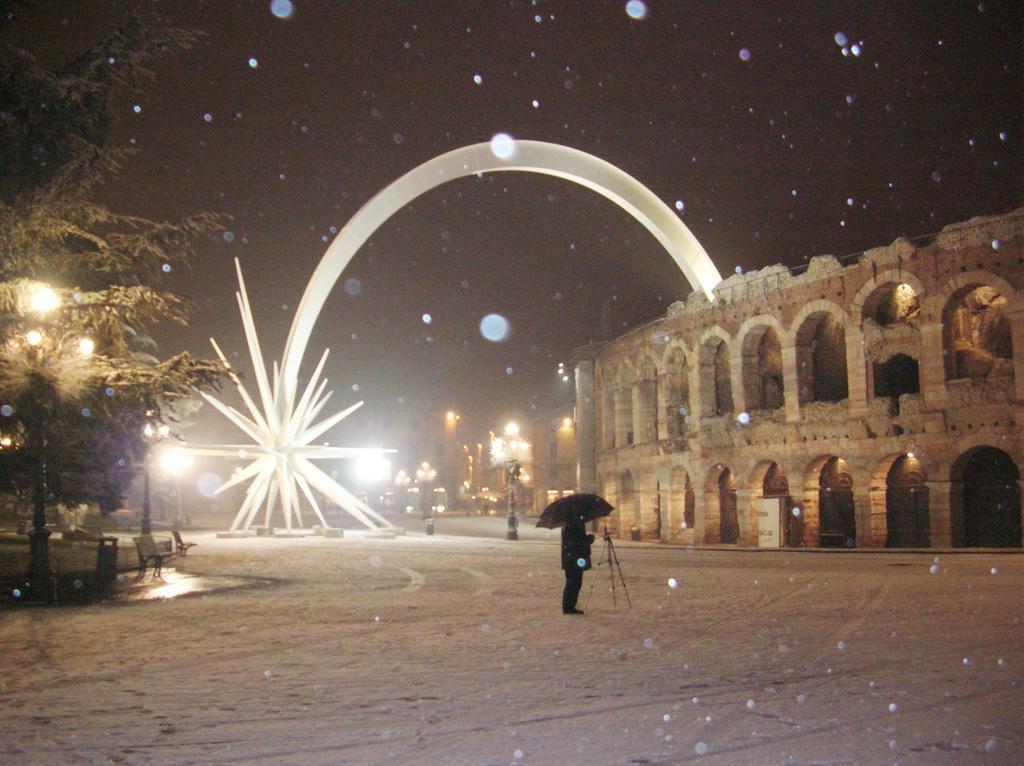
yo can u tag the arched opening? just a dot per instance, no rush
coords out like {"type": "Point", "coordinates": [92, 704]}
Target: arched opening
{"type": "Point", "coordinates": [645, 404]}
{"type": "Point", "coordinates": [821, 359]}
{"type": "Point", "coordinates": [906, 505]}
{"type": "Point", "coordinates": [729, 530]}
{"type": "Point", "coordinates": [892, 303]}
{"type": "Point", "coordinates": [985, 495]}
{"type": "Point", "coordinates": [624, 408]}
{"type": "Point", "coordinates": [835, 505]}
{"type": "Point", "coordinates": [676, 383]}
{"type": "Point", "coordinates": [776, 486]}
{"type": "Point", "coordinates": [715, 381]}
{"type": "Point", "coordinates": [977, 337]}
{"type": "Point", "coordinates": [628, 507]}
{"type": "Point", "coordinates": [681, 501]}
{"type": "Point", "coordinates": [607, 416]}
{"type": "Point", "coordinates": [762, 369]}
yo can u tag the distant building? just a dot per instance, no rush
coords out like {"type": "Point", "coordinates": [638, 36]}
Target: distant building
{"type": "Point", "coordinates": [553, 472]}
{"type": "Point", "coordinates": [872, 402]}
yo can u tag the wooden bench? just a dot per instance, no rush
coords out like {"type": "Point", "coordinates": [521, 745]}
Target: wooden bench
{"type": "Point", "coordinates": [152, 552]}
{"type": "Point", "coordinates": [180, 545]}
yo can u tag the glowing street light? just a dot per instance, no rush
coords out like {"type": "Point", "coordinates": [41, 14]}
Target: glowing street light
{"type": "Point", "coordinates": [43, 300]}
{"type": "Point", "coordinates": [152, 432]}
{"type": "Point", "coordinates": [175, 462]}
{"type": "Point", "coordinates": [511, 451]}
{"type": "Point", "coordinates": [371, 469]}
{"type": "Point", "coordinates": [86, 346]}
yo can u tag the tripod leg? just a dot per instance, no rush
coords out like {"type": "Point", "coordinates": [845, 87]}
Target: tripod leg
{"type": "Point", "coordinates": [593, 579]}
{"type": "Point", "coordinates": [615, 561]}
{"type": "Point", "coordinates": [611, 570]}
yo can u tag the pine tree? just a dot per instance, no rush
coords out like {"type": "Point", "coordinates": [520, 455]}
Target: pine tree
{"type": "Point", "coordinates": [79, 382]}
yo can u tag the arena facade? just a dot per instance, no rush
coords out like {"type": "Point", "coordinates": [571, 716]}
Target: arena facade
{"type": "Point", "coordinates": [873, 401]}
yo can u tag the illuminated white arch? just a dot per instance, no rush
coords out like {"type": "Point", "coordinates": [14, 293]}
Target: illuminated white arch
{"type": "Point", "coordinates": [529, 156]}
{"type": "Point", "coordinates": [284, 430]}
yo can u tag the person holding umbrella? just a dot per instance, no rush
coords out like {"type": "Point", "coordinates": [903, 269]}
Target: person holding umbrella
{"type": "Point", "coordinates": [575, 561]}
{"type": "Point", "coordinates": [572, 513]}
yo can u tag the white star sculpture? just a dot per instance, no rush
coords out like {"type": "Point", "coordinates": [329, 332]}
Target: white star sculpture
{"type": "Point", "coordinates": [283, 432]}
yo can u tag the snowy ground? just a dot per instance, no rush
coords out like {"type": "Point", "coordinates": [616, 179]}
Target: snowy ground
{"type": "Point", "coordinates": [453, 650]}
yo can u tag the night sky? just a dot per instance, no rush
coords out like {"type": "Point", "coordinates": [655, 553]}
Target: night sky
{"type": "Point", "coordinates": [778, 142]}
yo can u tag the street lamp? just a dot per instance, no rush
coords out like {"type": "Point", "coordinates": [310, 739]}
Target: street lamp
{"type": "Point", "coordinates": [425, 474]}
{"type": "Point", "coordinates": [152, 432]}
{"type": "Point", "coordinates": [42, 301]}
{"type": "Point", "coordinates": [510, 451]}
{"type": "Point", "coordinates": [175, 462]}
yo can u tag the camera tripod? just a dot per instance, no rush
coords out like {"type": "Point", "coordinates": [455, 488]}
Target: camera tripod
{"type": "Point", "coordinates": [610, 558]}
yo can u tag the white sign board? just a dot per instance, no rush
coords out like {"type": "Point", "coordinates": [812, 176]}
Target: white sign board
{"type": "Point", "coordinates": [769, 526]}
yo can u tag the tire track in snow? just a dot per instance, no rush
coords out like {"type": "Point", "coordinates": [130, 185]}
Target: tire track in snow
{"type": "Point", "coordinates": [416, 580]}
{"type": "Point", "coordinates": [486, 587]}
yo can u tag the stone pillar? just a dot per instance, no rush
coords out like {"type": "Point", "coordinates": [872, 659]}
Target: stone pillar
{"type": "Point", "coordinates": [586, 445]}
{"type": "Point", "coordinates": [791, 383]}
{"type": "Point", "coordinates": [667, 420]}
{"type": "Point", "coordinates": [932, 367]}
{"type": "Point", "coordinates": [623, 415]}
{"type": "Point", "coordinates": [811, 517]}
{"type": "Point", "coordinates": [1017, 339]}
{"type": "Point", "coordinates": [862, 516]}
{"type": "Point", "coordinates": [746, 514]}
{"type": "Point", "coordinates": [939, 513]}
{"type": "Point", "coordinates": [698, 394]}
{"type": "Point", "coordinates": [739, 392]}
{"type": "Point", "coordinates": [856, 374]}
{"type": "Point", "coordinates": [707, 518]}
{"type": "Point", "coordinates": [879, 516]}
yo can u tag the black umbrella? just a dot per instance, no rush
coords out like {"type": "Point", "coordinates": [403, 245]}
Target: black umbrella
{"type": "Point", "coordinates": [583, 507]}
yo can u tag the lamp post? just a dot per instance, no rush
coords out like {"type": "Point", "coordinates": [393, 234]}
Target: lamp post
{"type": "Point", "coordinates": [425, 474]}
{"type": "Point", "coordinates": [152, 432]}
{"type": "Point", "coordinates": [510, 451]}
{"type": "Point", "coordinates": [175, 462]}
{"type": "Point", "coordinates": [402, 482]}
{"type": "Point", "coordinates": [42, 386]}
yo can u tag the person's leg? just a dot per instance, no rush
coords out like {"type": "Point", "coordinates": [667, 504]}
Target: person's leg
{"type": "Point", "coordinates": [573, 583]}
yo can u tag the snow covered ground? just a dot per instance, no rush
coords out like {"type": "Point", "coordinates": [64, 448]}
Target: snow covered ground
{"type": "Point", "coordinates": [452, 649]}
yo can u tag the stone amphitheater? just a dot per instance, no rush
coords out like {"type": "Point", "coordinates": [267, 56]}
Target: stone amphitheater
{"type": "Point", "coordinates": [873, 401]}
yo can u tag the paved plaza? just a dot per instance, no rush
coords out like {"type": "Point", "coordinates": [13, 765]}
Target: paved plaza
{"type": "Point", "coordinates": [452, 649]}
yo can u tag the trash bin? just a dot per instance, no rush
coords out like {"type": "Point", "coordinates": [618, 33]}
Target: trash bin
{"type": "Point", "coordinates": [430, 526]}
{"type": "Point", "coordinates": [634, 534]}
{"type": "Point", "coordinates": [106, 561]}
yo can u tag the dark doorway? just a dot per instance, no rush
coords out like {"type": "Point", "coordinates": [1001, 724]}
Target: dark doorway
{"type": "Point", "coordinates": [906, 505]}
{"type": "Point", "coordinates": [991, 501]}
{"type": "Point", "coordinates": [776, 485]}
{"type": "Point", "coordinates": [897, 376]}
{"type": "Point", "coordinates": [728, 520]}
{"type": "Point", "coordinates": [835, 506]}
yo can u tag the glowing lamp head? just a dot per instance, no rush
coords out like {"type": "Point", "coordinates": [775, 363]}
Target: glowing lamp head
{"type": "Point", "coordinates": [44, 299]}
{"type": "Point", "coordinates": [86, 346]}
{"type": "Point", "coordinates": [34, 337]}
{"type": "Point", "coordinates": [511, 429]}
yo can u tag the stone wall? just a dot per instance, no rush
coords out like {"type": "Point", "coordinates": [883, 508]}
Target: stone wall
{"type": "Point", "coordinates": [937, 322]}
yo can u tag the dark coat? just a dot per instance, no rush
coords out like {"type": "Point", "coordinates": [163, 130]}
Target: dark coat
{"type": "Point", "coordinates": [575, 546]}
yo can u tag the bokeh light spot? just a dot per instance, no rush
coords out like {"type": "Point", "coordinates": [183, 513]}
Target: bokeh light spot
{"type": "Point", "coordinates": [494, 327]}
